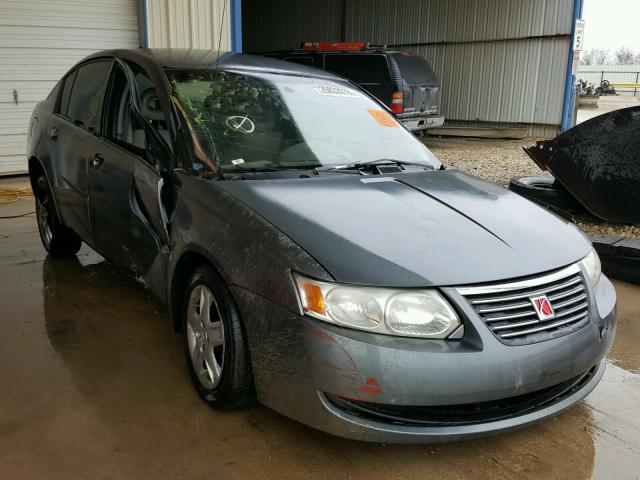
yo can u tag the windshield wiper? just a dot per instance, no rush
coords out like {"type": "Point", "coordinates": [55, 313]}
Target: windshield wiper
{"type": "Point", "coordinates": [374, 163]}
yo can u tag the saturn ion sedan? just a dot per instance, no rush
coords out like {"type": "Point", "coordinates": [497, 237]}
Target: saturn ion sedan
{"type": "Point", "coordinates": [315, 255]}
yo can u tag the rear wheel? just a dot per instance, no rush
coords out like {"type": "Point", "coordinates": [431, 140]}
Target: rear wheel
{"type": "Point", "coordinates": [215, 345]}
{"type": "Point", "coordinates": [59, 240]}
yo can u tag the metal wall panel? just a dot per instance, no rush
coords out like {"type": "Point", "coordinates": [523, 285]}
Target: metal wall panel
{"type": "Point", "coordinates": [430, 21]}
{"type": "Point", "coordinates": [501, 61]}
{"type": "Point", "coordinates": [506, 82]}
{"type": "Point", "coordinates": [189, 24]}
{"type": "Point", "coordinates": [283, 24]}
{"type": "Point", "coordinates": [39, 42]}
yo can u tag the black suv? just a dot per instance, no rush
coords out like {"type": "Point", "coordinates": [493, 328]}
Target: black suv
{"type": "Point", "coordinates": [403, 81]}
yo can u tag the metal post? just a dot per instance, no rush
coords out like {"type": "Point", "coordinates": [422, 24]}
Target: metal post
{"type": "Point", "coordinates": [635, 90]}
{"type": "Point", "coordinates": [236, 25]}
{"type": "Point", "coordinates": [570, 81]}
{"type": "Point", "coordinates": [601, 77]}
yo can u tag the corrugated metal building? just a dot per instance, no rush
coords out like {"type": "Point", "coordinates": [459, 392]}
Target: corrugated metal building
{"type": "Point", "coordinates": [500, 62]}
{"type": "Point", "coordinates": [41, 40]}
{"type": "Point", "coordinates": [188, 24]}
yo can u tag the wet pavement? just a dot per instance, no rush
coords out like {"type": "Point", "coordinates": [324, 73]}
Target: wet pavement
{"type": "Point", "coordinates": [93, 385]}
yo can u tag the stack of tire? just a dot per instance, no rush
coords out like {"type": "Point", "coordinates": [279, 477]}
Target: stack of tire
{"type": "Point", "coordinates": [546, 191]}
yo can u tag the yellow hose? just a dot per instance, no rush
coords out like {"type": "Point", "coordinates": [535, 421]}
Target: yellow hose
{"type": "Point", "coordinates": [11, 195]}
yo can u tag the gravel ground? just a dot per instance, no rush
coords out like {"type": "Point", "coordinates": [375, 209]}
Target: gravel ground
{"type": "Point", "coordinates": [500, 160]}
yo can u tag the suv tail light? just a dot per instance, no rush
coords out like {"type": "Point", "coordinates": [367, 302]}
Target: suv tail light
{"type": "Point", "coordinates": [397, 102]}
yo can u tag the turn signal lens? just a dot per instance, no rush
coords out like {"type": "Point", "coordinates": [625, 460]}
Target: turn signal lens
{"type": "Point", "coordinates": [313, 298]}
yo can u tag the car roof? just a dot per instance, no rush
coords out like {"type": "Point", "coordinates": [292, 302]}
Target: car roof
{"type": "Point", "coordinates": [153, 58]}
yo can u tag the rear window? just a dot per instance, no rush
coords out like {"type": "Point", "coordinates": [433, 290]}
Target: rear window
{"type": "Point", "coordinates": [84, 104]}
{"type": "Point", "coordinates": [362, 69]}
{"type": "Point", "coordinates": [415, 70]}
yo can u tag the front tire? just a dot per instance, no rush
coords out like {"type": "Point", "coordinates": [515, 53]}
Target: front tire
{"type": "Point", "coordinates": [57, 239]}
{"type": "Point", "coordinates": [214, 343]}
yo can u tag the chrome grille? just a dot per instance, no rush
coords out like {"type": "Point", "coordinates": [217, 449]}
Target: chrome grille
{"type": "Point", "coordinates": [509, 313]}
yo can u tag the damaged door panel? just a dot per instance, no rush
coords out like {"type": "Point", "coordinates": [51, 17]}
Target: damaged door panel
{"type": "Point", "coordinates": [598, 162]}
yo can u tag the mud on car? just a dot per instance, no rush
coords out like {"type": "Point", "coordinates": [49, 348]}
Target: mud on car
{"type": "Point", "coordinates": [315, 255]}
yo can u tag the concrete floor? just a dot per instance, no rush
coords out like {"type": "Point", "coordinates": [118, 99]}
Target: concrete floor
{"type": "Point", "coordinates": [94, 386]}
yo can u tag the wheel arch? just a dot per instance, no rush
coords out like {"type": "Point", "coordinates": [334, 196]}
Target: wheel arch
{"type": "Point", "coordinates": [37, 168]}
{"type": "Point", "coordinates": [190, 259]}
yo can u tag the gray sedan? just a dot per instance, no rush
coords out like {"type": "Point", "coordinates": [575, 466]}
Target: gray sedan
{"type": "Point", "coordinates": [316, 256]}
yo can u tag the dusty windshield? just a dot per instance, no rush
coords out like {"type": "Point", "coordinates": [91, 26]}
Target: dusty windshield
{"type": "Point", "coordinates": [243, 121]}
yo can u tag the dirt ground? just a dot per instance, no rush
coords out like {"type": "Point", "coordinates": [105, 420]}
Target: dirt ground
{"type": "Point", "coordinates": [500, 160]}
{"type": "Point", "coordinates": [94, 385]}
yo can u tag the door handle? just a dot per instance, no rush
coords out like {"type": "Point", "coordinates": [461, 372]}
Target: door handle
{"type": "Point", "coordinates": [97, 160]}
{"type": "Point", "coordinates": [54, 133]}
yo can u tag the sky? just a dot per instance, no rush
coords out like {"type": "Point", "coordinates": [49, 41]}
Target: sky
{"type": "Point", "coordinates": [611, 24]}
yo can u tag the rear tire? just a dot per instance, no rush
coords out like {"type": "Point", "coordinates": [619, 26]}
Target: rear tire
{"type": "Point", "coordinates": [215, 345]}
{"type": "Point", "coordinates": [545, 191]}
{"type": "Point", "coordinates": [59, 240]}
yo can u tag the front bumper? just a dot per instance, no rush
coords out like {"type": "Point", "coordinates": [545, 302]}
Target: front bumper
{"type": "Point", "coordinates": [416, 122]}
{"type": "Point", "coordinates": [302, 365]}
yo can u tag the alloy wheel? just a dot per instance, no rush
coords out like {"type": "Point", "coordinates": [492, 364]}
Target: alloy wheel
{"type": "Point", "coordinates": [205, 336]}
{"type": "Point", "coordinates": [44, 218]}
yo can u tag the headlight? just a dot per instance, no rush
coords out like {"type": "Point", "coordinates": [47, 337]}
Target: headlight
{"type": "Point", "coordinates": [407, 313]}
{"type": "Point", "coordinates": [591, 264]}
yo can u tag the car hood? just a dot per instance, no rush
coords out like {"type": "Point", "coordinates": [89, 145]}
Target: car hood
{"type": "Point", "coordinates": [407, 230]}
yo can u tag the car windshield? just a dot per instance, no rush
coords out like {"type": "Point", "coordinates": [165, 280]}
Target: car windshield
{"type": "Point", "coordinates": [240, 121]}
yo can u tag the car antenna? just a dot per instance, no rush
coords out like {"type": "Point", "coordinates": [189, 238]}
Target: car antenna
{"type": "Point", "coordinates": [224, 10]}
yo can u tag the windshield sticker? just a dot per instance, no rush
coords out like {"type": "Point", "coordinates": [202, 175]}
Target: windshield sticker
{"type": "Point", "coordinates": [328, 91]}
{"type": "Point", "coordinates": [383, 118]}
{"type": "Point", "coordinates": [237, 161]}
{"type": "Point", "coordinates": [240, 124]}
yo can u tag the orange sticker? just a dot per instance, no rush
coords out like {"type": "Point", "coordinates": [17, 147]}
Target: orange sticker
{"type": "Point", "coordinates": [383, 118]}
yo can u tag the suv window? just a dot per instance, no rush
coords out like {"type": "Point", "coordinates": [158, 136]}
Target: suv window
{"type": "Point", "coordinates": [66, 93]}
{"type": "Point", "coordinates": [362, 69]}
{"type": "Point", "coordinates": [86, 96]}
{"type": "Point", "coordinates": [415, 70]}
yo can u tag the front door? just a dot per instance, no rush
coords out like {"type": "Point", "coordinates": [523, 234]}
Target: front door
{"type": "Point", "coordinates": [125, 185]}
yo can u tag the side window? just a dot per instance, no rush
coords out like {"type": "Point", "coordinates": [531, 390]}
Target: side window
{"type": "Point", "coordinates": [86, 96]}
{"type": "Point", "coordinates": [149, 102]}
{"type": "Point", "coordinates": [66, 93]}
{"type": "Point", "coordinates": [121, 124]}
{"type": "Point", "coordinates": [364, 69]}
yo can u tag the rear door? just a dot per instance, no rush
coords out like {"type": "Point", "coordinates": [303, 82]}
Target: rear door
{"type": "Point", "coordinates": [71, 133]}
{"type": "Point", "coordinates": [370, 71]}
{"type": "Point", "coordinates": [420, 85]}
{"type": "Point", "coordinates": [125, 185]}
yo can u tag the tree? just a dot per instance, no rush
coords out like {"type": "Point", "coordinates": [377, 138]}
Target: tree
{"type": "Point", "coordinates": [595, 56]}
{"type": "Point", "coordinates": [625, 56]}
